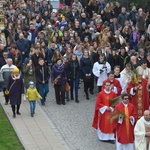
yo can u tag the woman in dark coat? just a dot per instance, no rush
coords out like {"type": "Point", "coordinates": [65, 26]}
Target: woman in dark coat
{"type": "Point", "coordinates": [29, 72]}
{"type": "Point", "coordinates": [59, 79]}
{"type": "Point", "coordinates": [16, 89]}
{"type": "Point", "coordinates": [86, 72]}
{"type": "Point", "coordinates": [73, 76]}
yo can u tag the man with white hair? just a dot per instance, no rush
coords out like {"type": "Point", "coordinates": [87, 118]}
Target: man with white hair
{"type": "Point", "coordinates": [5, 72]}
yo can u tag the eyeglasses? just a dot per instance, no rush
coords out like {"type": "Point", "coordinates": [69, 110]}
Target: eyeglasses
{"type": "Point", "coordinates": [107, 84]}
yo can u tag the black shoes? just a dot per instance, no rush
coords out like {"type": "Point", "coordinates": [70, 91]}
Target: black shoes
{"type": "Point", "coordinates": [111, 141]}
{"type": "Point", "coordinates": [87, 97]}
{"type": "Point", "coordinates": [91, 92]}
{"type": "Point", "coordinates": [14, 115]}
{"type": "Point", "coordinates": [77, 101]}
{"type": "Point", "coordinates": [67, 99]}
{"type": "Point", "coordinates": [6, 103]}
{"type": "Point", "coordinates": [58, 103]}
{"type": "Point", "coordinates": [18, 113]}
{"type": "Point", "coordinates": [43, 104]}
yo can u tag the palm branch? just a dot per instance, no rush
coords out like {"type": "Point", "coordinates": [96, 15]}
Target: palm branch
{"type": "Point", "coordinates": [134, 73]}
{"type": "Point", "coordinates": [116, 114]}
{"type": "Point", "coordinates": [114, 101]}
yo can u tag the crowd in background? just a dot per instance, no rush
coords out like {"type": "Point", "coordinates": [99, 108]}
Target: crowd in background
{"type": "Point", "coordinates": [81, 41]}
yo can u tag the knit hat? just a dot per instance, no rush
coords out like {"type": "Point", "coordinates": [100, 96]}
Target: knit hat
{"type": "Point", "coordinates": [15, 70]}
{"type": "Point", "coordinates": [31, 83]}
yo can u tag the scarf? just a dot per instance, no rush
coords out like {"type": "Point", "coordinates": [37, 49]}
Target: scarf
{"type": "Point", "coordinates": [78, 53]}
{"type": "Point", "coordinates": [135, 36]}
{"type": "Point", "coordinates": [86, 56]}
{"type": "Point", "coordinates": [60, 67]}
{"type": "Point", "coordinates": [14, 77]}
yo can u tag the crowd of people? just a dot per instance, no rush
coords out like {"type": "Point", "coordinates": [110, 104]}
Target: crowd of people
{"type": "Point", "coordinates": [83, 41]}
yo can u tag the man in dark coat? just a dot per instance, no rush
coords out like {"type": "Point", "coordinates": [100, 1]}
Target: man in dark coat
{"type": "Point", "coordinates": [16, 89]}
{"type": "Point", "coordinates": [42, 79]}
{"type": "Point", "coordinates": [23, 46]}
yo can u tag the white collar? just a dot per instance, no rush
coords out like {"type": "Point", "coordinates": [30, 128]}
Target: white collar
{"type": "Point", "coordinates": [125, 104]}
{"type": "Point", "coordinates": [107, 92]}
{"type": "Point", "coordinates": [146, 122]}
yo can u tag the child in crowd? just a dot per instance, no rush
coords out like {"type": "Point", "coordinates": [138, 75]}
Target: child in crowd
{"type": "Point", "coordinates": [31, 95]}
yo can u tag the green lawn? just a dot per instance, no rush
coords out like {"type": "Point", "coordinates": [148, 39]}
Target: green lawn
{"type": "Point", "coordinates": [8, 137]}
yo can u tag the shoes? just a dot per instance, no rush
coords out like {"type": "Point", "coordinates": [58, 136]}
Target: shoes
{"type": "Point", "coordinates": [87, 97]}
{"type": "Point", "coordinates": [63, 103]}
{"type": "Point", "coordinates": [43, 104]}
{"type": "Point", "coordinates": [58, 103]}
{"type": "Point", "coordinates": [77, 101]}
{"type": "Point", "coordinates": [18, 113]}
{"type": "Point", "coordinates": [32, 115]}
{"type": "Point", "coordinates": [6, 103]}
{"type": "Point", "coordinates": [44, 99]}
{"type": "Point", "coordinates": [91, 92]}
{"type": "Point", "coordinates": [111, 141]}
{"type": "Point", "coordinates": [67, 99]}
{"type": "Point", "coordinates": [14, 115]}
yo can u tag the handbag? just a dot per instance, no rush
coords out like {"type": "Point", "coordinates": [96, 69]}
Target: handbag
{"type": "Point", "coordinates": [7, 91]}
{"type": "Point", "coordinates": [67, 87]}
{"type": "Point", "coordinates": [87, 78]}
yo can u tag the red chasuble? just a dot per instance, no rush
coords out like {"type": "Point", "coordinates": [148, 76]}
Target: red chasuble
{"type": "Point", "coordinates": [120, 130]}
{"type": "Point", "coordinates": [116, 83]}
{"type": "Point", "coordinates": [102, 121]}
{"type": "Point", "coordinates": [141, 98]}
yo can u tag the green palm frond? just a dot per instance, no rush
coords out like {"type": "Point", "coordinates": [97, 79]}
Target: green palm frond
{"type": "Point", "coordinates": [114, 101]}
{"type": "Point", "coordinates": [116, 114]}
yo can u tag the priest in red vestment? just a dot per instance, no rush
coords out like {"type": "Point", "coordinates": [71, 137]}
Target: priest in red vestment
{"type": "Point", "coordinates": [139, 92]}
{"type": "Point", "coordinates": [115, 84]}
{"type": "Point", "coordinates": [124, 124]}
{"type": "Point", "coordinates": [103, 110]}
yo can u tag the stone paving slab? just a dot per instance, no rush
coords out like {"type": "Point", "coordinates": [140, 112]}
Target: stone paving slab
{"type": "Point", "coordinates": [35, 133]}
{"type": "Point", "coordinates": [74, 121]}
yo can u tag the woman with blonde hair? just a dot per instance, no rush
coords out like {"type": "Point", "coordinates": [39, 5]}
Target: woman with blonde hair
{"type": "Point", "coordinates": [126, 33]}
{"type": "Point", "coordinates": [56, 55]}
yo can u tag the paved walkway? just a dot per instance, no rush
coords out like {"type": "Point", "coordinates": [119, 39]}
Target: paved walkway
{"type": "Point", "coordinates": [35, 133]}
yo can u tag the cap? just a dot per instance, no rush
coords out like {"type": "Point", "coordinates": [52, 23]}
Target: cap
{"type": "Point", "coordinates": [15, 70]}
{"type": "Point", "coordinates": [31, 83]}
{"type": "Point", "coordinates": [83, 24]}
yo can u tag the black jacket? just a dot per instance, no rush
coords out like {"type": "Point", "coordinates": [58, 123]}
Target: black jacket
{"type": "Point", "coordinates": [42, 75]}
{"type": "Point", "coordinates": [73, 69]}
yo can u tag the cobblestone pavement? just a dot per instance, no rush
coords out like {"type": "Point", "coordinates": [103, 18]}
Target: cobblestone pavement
{"type": "Point", "coordinates": [74, 121]}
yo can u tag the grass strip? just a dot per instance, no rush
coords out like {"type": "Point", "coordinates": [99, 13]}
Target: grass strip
{"type": "Point", "coordinates": [8, 137]}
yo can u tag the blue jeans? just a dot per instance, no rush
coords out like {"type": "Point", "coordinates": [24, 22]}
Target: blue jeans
{"type": "Point", "coordinates": [74, 84]}
{"type": "Point", "coordinates": [32, 107]}
{"type": "Point", "coordinates": [43, 90]}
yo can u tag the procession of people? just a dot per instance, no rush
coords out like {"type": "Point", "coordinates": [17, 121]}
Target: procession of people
{"type": "Point", "coordinates": [99, 44]}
